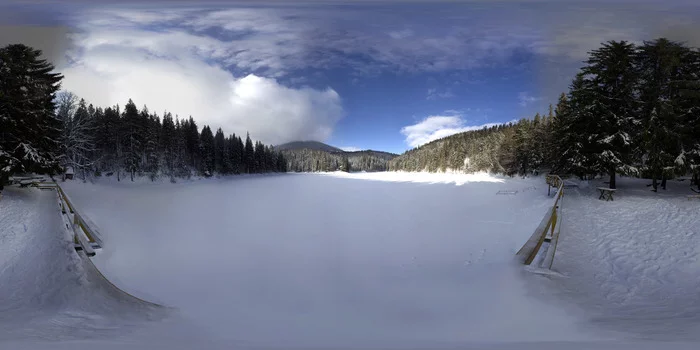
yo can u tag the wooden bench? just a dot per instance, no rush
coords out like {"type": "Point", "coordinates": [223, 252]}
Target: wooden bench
{"type": "Point", "coordinates": [693, 196]}
{"type": "Point", "coordinates": [606, 193]}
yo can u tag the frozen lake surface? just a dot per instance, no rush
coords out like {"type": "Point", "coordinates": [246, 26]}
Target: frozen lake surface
{"type": "Point", "coordinates": [330, 259]}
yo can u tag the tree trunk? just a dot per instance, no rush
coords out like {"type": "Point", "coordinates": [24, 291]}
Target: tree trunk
{"type": "Point", "coordinates": [663, 181]}
{"type": "Point", "coordinates": [612, 178]}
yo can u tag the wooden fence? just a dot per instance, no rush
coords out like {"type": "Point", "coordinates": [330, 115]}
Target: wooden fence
{"type": "Point", "coordinates": [547, 232]}
{"type": "Point", "coordinates": [85, 234]}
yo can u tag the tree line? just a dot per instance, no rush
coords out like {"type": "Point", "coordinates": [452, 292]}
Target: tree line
{"type": "Point", "coordinates": [43, 130]}
{"type": "Point", "coordinates": [313, 160]}
{"type": "Point", "coordinates": [631, 110]}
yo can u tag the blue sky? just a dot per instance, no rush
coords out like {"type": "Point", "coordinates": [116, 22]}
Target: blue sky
{"type": "Point", "coordinates": [382, 75]}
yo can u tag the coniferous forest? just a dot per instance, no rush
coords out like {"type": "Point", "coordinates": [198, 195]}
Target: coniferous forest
{"type": "Point", "coordinates": [43, 130]}
{"type": "Point", "coordinates": [631, 110]}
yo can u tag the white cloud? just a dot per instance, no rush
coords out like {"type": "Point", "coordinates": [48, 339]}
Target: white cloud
{"type": "Point", "coordinates": [436, 127]}
{"type": "Point", "coordinates": [525, 99]}
{"type": "Point", "coordinates": [177, 71]}
{"type": "Point", "coordinates": [401, 34]}
{"type": "Point", "coordinates": [434, 94]}
{"type": "Point", "coordinates": [350, 149]}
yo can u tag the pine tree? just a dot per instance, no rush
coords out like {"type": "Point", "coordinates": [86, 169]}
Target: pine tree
{"type": "Point", "coordinates": [29, 129]}
{"type": "Point", "coordinates": [659, 65]}
{"type": "Point", "coordinates": [688, 104]}
{"type": "Point", "coordinates": [219, 146]}
{"type": "Point", "coordinates": [610, 82]}
{"type": "Point", "coordinates": [168, 144]}
{"type": "Point", "coordinates": [238, 156]}
{"type": "Point", "coordinates": [192, 143]}
{"type": "Point", "coordinates": [151, 140]}
{"type": "Point", "coordinates": [249, 155]}
{"type": "Point", "coordinates": [207, 151]}
{"type": "Point", "coordinates": [131, 139]}
{"type": "Point", "coordinates": [229, 148]}
{"type": "Point", "coordinates": [181, 166]}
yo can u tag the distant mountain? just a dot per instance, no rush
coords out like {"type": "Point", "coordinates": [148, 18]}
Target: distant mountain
{"type": "Point", "coordinates": [312, 145]}
{"type": "Point", "coordinates": [311, 156]}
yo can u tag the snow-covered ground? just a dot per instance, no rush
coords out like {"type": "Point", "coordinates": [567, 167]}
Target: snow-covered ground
{"type": "Point", "coordinates": [633, 264]}
{"type": "Point", "coordinates": [45, 292]}
{"type": "Point", "coordinates": [389, 260]}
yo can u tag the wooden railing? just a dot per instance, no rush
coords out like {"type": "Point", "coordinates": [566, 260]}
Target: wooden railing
{"type": "Point", "coordinates": [547, 231]}
{"type": "Point", "coordinates": [85, 234]}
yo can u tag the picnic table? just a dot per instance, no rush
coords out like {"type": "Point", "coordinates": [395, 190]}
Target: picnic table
{"type": "Point", "coordinates": [606, 193]}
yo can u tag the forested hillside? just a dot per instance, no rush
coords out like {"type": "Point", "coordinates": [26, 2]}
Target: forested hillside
{"type": "Point", "coordinates": [632, 110]}
{"type": "Point", "coordinates": [96, 141]}
{"type": "Point", "coordinates": [304, 159]}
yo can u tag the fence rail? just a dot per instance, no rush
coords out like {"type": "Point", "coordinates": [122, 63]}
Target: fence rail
{"type": "Point", "coordinates": [85, 235]}
{"type": "Point", "coordinates": [547, 232]}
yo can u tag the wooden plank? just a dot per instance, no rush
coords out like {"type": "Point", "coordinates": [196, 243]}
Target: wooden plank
{"type": "Point", "coordinates": [549, 256]}
{"type": "Point", "coordinates": [85, 227]}
{"type": "Point", "coordinates": [83, 241]}
{"type": "Point", "coordinates": [92, 231]}
{"type": "Point", "coordinates": [530, 249]}
{"type": "Point", "coordinates": [65, 198]}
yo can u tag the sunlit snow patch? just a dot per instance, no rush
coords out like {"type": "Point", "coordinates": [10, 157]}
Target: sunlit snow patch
{"type": "Point", "coordinates": [422, 177]}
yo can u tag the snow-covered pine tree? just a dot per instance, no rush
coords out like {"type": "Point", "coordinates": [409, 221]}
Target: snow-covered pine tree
{"type": "Point", "coordinates": [181, 168]}
{"type": "Point", "coordinates": [207, 151]}
{"type": "Point", "coordinates": [238, 151]}
{"type": "Point", "coordinates": [167, 144]}
{"type": "Point", "coordinates": [110, 140]}
{"type": "Point", "coordinates": [131, 139]}
{"type": "Point", "coordinates": [574, 116]}
{"type": "Point", "coordinates": [192, 143]}
{"type": "Point", "coordinates": [151, 142]}
{"type": "Point", "coordinates": [229, 148]}
{"type": "Point", "coordinates": [249, 155]}
{"type": "Point", "coordinates": [659, 65]}
{"type": "Point", "coordinates": [689, 109]}
{"type": "Point", "coordinates": [29, 129]}
{"type": "Point", "coordinates": [219, 145]}
{"type": "Point", "coordinates": [610, 81]}
{"type": "Point", "coordinates": [259, 156]}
